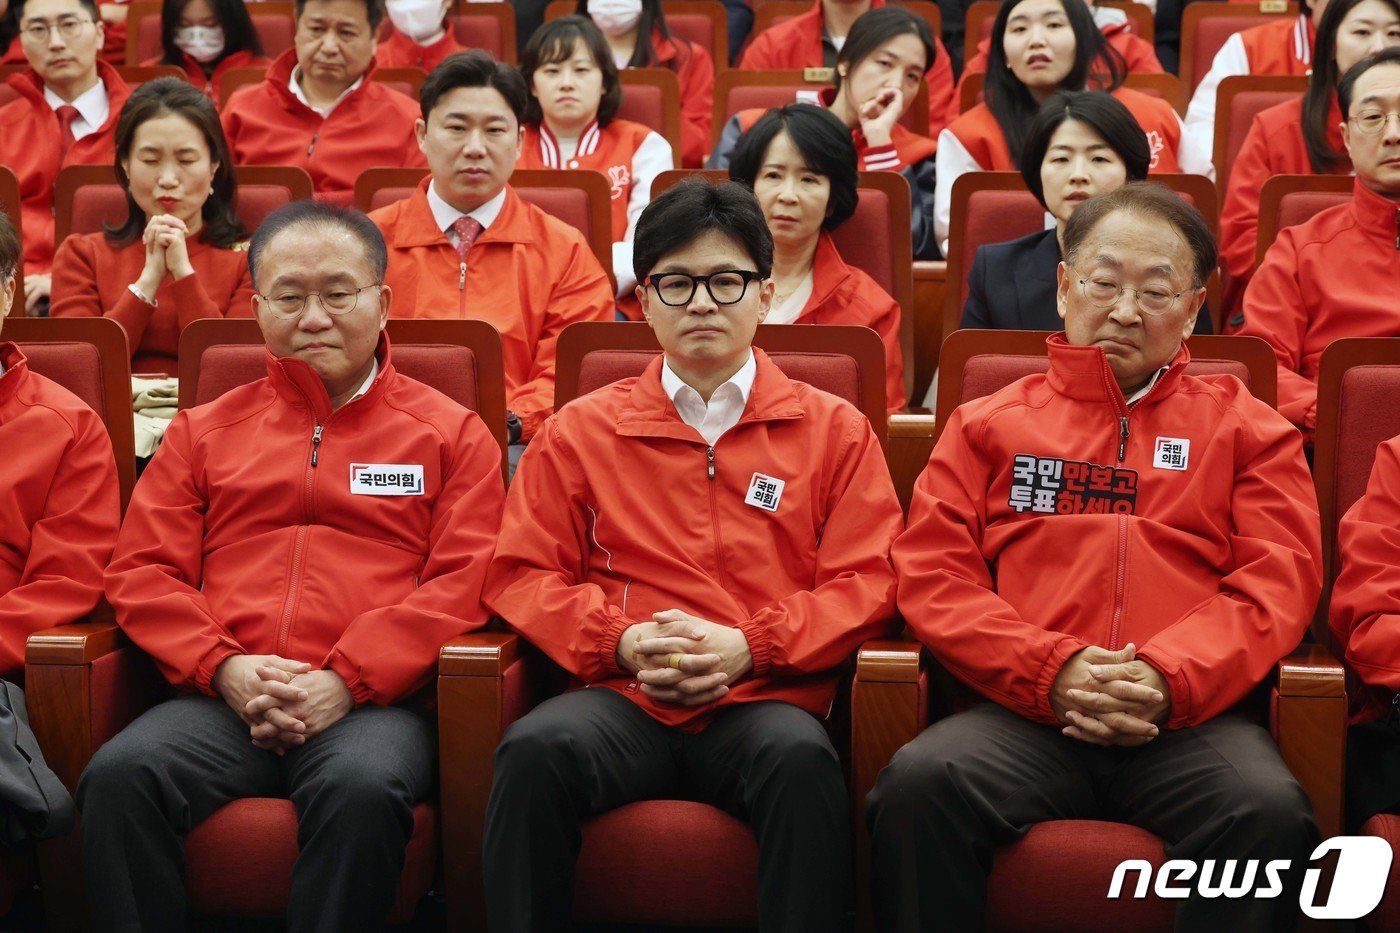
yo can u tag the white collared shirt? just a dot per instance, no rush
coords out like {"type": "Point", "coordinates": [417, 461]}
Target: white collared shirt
{"type": "Point", "coordinates": [294, 85]}
{"type": "Point", "coordinates": [726, 404]}
{"type": "Point", "coordinates": [93, 108]}
{"type": "Point", "coordinates": [445, 215]}
{"type": "Point", "coordinates": [369, 380]}
{"type": "Point", "coordinates": [1150, 383]}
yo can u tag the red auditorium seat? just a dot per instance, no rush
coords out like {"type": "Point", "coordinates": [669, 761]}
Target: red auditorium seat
{"type": "Point", "coordinates": [737, 90]}
{"type": "Point", "coordinates": [489, 26]}
{"type": "Point", "coordinates": [1288, 200]}
{"type": "Point", "coordinates": [87, 196]}
{"type": "Point", "coordinates": [86, 681]}
{"type": "Point", "coordinates": [9, 203]}
{"type": "Point", "coordinates": [1237, 101]}
{"type": "Point", "coordinates": [488, 680]}
{"type": "Point", "coordinates": [701, 22]}
{"type": "Point", "coordinates": [1206, 26]}
{"type": "Point", "coordinates": [652, 97]}
{"type": "Point", "coordinates": [894, 690]}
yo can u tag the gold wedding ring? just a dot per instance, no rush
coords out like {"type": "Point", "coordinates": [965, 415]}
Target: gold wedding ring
{"type": "Point", "coordinates": [674, 661]}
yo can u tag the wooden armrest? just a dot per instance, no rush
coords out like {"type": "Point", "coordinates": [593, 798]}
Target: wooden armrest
{"type": "Point", "coordinates": [78, 643]}
{"type": "Point", "coordinates": [911, 422]}
{"type": "Point", "coordinates": [1311, 729]}
{"type": "Point", "coordinates": [888, 660]}
{"type": "Point", "coordinates": [479, 654]}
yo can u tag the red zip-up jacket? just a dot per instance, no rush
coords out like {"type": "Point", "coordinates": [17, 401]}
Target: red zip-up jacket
{"type": "Point", "coordinates": [800, 42]}
{"type": "Point", "coordinates": [695, 72]}
{"type": "Point", "coordinates": [59, 513]}
{"type": "Point", "coordinates": [529, 275]}
{"type": "Point", "coordinates": [1273, 146]}
{"type": "Point", "coordinates": [1365, 606]}
{"type": "Point", "coordinates": [1139, 55]}
{"type": "Point", "coordinates": [1052, 516]}
{"type": "Point", "coordinates": [261, 527]}
{"type": "Point", "coordinates": [29, 146]}
{"type": "Point", "coordinates": [620, 510]}
{"type": "Point", "coordinates": [372, 126]}
{"type": "Point", "coordinates": [399, 51]}
{"type": "Point", "coordinates": [210, 82]}
{"type": "Point", "coordinates": [1337, 275]}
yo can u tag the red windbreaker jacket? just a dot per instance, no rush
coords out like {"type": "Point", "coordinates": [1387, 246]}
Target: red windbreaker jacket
{"type": "Point", "coordinates": [620, 510]}
{"type": "Point", "coordinates": [355, 539]}
{"type": "Point", "coordinates": [60, 511]}
{"type": "Point", "coordinates": [1053, 517]}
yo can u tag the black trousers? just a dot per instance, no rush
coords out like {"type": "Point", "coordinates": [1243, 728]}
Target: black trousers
{"type": "Point", "coordinates": [591, 751]}
{"type": "Point", "coordinates": [981, 779]}
{"type": "Point", "coordinates": [353, 786]}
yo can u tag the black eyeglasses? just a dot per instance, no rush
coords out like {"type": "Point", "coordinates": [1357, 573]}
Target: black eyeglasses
{"type": "Point", "coordinates": [726, 287]}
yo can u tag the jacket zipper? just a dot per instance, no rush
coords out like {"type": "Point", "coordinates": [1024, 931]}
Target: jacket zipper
{"type": "Point", "coordinates": [1121, 567]}
{"type": "Point", "coordinates": [714, 514]}
{"type": "Point", "coordinates": [312, 148]}
{"type": "Point", "coordinates": [284, 631]}
{"type": "Point", "coordinates": [1397, 228]}
{"type": "Point", "coordinates": [462, 275]}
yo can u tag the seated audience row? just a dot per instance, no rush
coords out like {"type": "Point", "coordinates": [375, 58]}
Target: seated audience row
{"type": "Point", "coordinates": [717, 651]}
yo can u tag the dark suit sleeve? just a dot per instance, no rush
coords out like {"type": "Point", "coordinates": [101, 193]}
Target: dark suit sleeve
{"type": "Point", "coordinates": [976, 312]}
{"type": "Point", "coordinates": [921, 183]}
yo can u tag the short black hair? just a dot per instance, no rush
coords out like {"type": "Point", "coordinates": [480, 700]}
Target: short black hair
{"type": "Point", "coordinates": [89, 5]}
{"type": "Point", "coordinates": [374, 11]}
{"type": "Point", "coordinates": [694, 207]}
{"type": "Point", "coordinates": [554, 42]}
{"type": "Point", "coordinates": [1347, 86]}
{"type": "Point", "coordinates": [825, 144]}
{"type": "Point", "coordinates": [319, 213]}
{"type": "Point", "coordinates": [474, 68]}
{"type": "Point", "coordinates": [1152, 200]}
{"type": "Point", "coordinates": [874, 28]}
{"type": "Point", "coordinates": [1101, 112]}
{"type": "Point", "coordinates": [10, 249]}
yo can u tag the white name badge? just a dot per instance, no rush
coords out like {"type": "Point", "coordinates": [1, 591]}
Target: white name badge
{"type": "Point", "coordinates": [1171, 453]}
{"type": "Point", "coordinates": [765, 492]}
{"type": "Point", "coordinates": [386, 479]}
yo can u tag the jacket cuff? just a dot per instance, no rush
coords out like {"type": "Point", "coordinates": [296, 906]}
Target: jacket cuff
{"type": "Point", "coordinates": [760, 645]}
{"type": "Point", "coordinates": [349, 673]}
{"type": "Point", "coordinates": [209, 665]}
{"type": "Point", "coordinates": [1182, 712]}
{"type": "Point", "coordinates": [880, 158]}
{"type": "Point", "coordinates": [1066, 648]}
{"type": "Point", "coordinates": [607, 645]}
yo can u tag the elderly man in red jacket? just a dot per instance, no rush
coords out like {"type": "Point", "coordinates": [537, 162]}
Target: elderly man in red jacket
{"type": "Point", "coordinates": [296, 554]}
{"type": "Point", "coordinates": [1338, 274]}
{"type": "Point", "coordinates": [319, 106]}
{"type": "Point", "coordinates": [1112, 555]}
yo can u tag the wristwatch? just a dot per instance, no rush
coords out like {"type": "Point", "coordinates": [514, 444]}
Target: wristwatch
{"type": "Point", "coordinates": [513, 427]}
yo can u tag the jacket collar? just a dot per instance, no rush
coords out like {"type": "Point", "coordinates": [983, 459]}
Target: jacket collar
{"type": "Point", "coordinates": [549, 145]}
{"type": "Point", "coordinates": [829, 274]}
{"type": "Point", "coordinates": [1375, 213]}
{"type": "Point", "coordinates": [416, 226]}
{"type": "Point", "coordinates": [28, 84]}
{"type": "Point", "coordinates": [649, 412]}
{"type": "Point", "coordinates": [16, 370]}
{"type": "Point", "coordinates": [296, 382]}
{"type": "Point", "coordinates": [279, 74]}
{"type": "Point", "coordinates": [1083, 373]}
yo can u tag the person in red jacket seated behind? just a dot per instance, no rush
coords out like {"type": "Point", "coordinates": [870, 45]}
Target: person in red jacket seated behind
{"type": "Point", "coordinates": [1139, 57]}
{"type": "Point", "coordinates": [1184, 529]}
{"type": "Point", "coordinates": [179, 255]}
{"type": "Point", "coordinates": [422, 35]}
{"type": "Point", "coordinates": [61, 512]}
{"type": "Point", "coordinates": [800, 162]}
{"type": "Point", "coordinates": [1335, 275]}
{"type": "Point", "coordinates": [319, 106]}
{"type": "Point", "coordinates": [207, 38]}
{"type": "Point", "coordinates": [65, 115]}
{"type": "Point", "coordinates": [711, 655]}
{"type": "Point", "coordinates": [293, 559]}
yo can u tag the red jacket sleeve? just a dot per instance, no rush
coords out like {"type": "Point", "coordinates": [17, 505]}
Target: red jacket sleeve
{"type": "Point", "coordinates": [581, 293]}
{"type": "Point", "coordinates": [1222, 648]}
{"type": "Point", "coordinates": [697, 81]}
{"type": "Point", "coordinates": [1365, 609]}
{"type": "Point", "coordinates": [1274, 310]}
{"type": "Point", "coordinates": [947, 592]}
{"type": "Point", "coordinates": [69, 545]}
{"type": "Point", "coordinates": [536, 577]}
{"type": "Point", "coordinates": [447, 602]}
{"type": "Point", "coordinates": [154, 579]}
{"type": "Point", "coordinates": [854, 593]}
{"type": "Point", "coordinates": [761, 54]}
{"type": "Point", "coordinates": [1239, 218]}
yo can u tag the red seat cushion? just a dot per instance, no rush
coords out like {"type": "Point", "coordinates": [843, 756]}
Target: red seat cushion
{"type": "Point", "coordinates": [1056, 878]}
{"type": "Point", "coordinates": [239, 861]}
{"type": "Point", "coordinates": [1387, 915]}
{"type": "Point", "coordinates": [629, 868]}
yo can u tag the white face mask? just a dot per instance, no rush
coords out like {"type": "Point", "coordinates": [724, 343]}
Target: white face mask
{"type": "Point", "coordinates": [417, 19]}
{"type": "Point", "coordinates": [202, 43]}
{"type": "Point", "coordinates": [615, 17]}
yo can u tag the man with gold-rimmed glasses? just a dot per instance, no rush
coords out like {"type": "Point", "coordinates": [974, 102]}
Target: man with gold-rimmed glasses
{"type": "Point", "coordinates": [1338, 274]}
{"type": "Point", "coordinates": [292, 560]}
{"type": "Point", "coordinates": [65, 114]}
{"type": "Point", "coordinates": [1111, 557]}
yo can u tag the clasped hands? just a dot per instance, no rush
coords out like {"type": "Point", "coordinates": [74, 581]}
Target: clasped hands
{"type": "Point", "coordinates": [1110, 697]}
{"type": "Point", "coordinates": [166, 253]}
{"type": "Point", "coordinates": [284, 702]}
{"type": "Point", "coordinates": [684, 660]}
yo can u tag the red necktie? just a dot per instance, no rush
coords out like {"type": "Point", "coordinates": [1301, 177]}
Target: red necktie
{"type": "Point", "coordinates": [467, 230]}
{"type": "Point", "coordinates": [67, 115]}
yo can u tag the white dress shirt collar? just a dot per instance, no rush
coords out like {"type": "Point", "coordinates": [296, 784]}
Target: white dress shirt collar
{"type": "Point", "coordinates": [444, 214]}
{"type": "Point", "coordinates": [726, 404]}
{"type": "Point", "coordinates": [294, 85]}
{"type": "Point", "coordinates": [1150, 383]}
{"type": "Point", "coordinates": [93, 108]}
{"type": "Point", "coordinates": [369, 380]}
